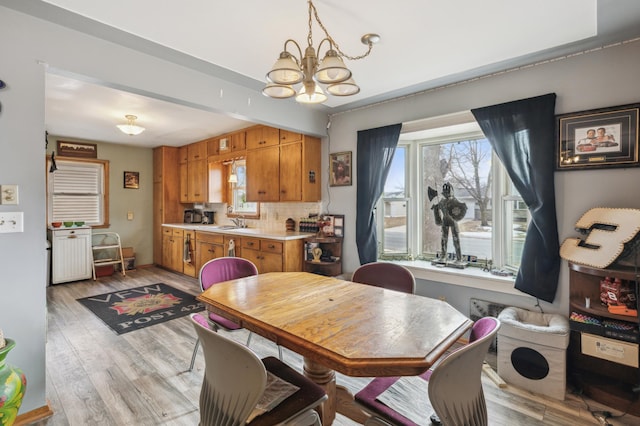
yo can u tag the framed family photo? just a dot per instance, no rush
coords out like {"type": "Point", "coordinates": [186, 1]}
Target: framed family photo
{"type": "Point", "coordinates": [599, 138]}
{"type": "Point", "coordinates": [340, 168]}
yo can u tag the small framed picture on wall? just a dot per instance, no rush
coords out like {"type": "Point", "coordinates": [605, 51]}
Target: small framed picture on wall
{"type": "Point", "coordinates": [340, 165]}
{"type": "Point", "coordinates": [132, 180]}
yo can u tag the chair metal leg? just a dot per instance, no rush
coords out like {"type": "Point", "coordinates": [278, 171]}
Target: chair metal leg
{"type": "Point", "coordinates": [280, 353]}
{"type": "Point", "coordinates": [249, 338]}
{"type": "Point", "coordinates": [195, 352]}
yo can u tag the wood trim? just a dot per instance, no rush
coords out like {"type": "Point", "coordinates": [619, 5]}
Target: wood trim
{"type": "Point", "coordinates": [33, 416]}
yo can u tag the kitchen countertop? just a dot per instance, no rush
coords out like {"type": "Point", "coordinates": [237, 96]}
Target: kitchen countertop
{"type": "Point", "coordinates": [249, 232]}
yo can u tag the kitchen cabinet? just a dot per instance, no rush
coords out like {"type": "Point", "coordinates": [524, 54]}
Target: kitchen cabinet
{"type": "Point", "coordinates": [300, 170]}
{"type": "Point", "coordinates": [208, 246]}
{"type": "Point", "coordinates": [262, 137]}
{"type": "Point", "coordinates": [238, 141]}
{"type": "Point", "coordinates": [330, 262]}
{"type": "Point", "coordinates": [189, 262]}
{"type": "Point", "coordinates": [263, 174]}
{"type": "Point", "coordinates": [603, 360]}
{"type": "Point", "coordinates": [71, 258]}
{"type": "Point", "coordinates": [217, 176]}
{"type": "Point", "coordinates": [197, 151]}
{"type": "Point", "coordinates": [173, 248]}
{"type": "Point", "coordinates": [273, 255]}
{"type": "Point", "coordinates": [166, 195]}
{"type": "Point", "coordinates": [193, 173]}
{"type": "Point", "coordinates": [289, 172]}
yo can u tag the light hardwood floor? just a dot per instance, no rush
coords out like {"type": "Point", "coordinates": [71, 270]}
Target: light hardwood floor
{"type": "Point", "coordinates": [96, 377]}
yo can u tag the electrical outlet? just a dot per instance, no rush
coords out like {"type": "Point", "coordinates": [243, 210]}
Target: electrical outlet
{"type": "Point", "coordinates": [129, 215]}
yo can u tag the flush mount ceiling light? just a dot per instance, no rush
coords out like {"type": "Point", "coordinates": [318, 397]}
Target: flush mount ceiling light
{"type": "Point", "coordinates": [290, 70]}
{"type": "Point", "coordinates": [131, 128]}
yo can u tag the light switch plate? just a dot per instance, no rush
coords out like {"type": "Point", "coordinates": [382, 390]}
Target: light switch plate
{"type": "Point", "coordinates": [8, 194]}
{"type": "Point", "coordinates": [11, 222]}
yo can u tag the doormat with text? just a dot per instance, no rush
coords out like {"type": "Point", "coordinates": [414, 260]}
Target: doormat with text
{"type": "Point", "coordinates": [136, 308]}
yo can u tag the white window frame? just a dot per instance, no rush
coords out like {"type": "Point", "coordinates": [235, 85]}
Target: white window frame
{"type": "Point", "coordinates": [96, 192]}
{"type": "Point", "coordinates": [501, 193]}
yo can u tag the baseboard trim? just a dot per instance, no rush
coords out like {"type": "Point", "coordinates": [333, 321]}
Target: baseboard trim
{"type": "Point", "coordinates": [33, 416]}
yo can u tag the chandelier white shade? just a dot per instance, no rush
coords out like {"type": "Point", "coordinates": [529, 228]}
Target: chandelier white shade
{"type": "Point", "coordinates": [131, 128]}
{"type": "Point", "coordinates": [290, 70]}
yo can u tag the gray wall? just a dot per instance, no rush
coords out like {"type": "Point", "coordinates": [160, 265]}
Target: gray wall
{"type": "Point", "coordinates": [31, 45]}
{"type": "Point", "coordinates": [602, 78]}
{"type": "Point", "coordinates": [136, 233]}
{"type": "Point", "coordinates": [598, 79]}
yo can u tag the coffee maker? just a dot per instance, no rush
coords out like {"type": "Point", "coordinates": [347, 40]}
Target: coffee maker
{"type": "Point", "coordinates": [208, 217]}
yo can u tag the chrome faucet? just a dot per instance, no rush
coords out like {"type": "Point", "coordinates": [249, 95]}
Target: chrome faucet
{"type": "Point", "coordinates": [239, 222]}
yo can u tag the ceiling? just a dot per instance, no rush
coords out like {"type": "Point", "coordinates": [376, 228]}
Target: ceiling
{"type": "Point", "coordinates": [424, 44]}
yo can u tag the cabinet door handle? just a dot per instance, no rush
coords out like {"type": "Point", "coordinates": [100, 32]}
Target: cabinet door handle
{"type": "Point", "coordinates": [271, 246]}
{"type": "Point", "coordinates": [250, 244]}
{"type": "Point", "coordinates": [72, 236]}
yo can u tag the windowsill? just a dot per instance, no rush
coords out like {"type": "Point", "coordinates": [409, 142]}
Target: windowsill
{"type": "Point", "coordinates": [469, 277]}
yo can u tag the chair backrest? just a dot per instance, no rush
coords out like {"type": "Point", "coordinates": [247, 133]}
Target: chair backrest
{"type": "Point", "coordinates": [224, 269]}
{"type": "Point", "coordinates": [387, 275]}
{"type": "Point", "coordinates": [234, 378]}
{"type": "Point", "coordinates": [455, 387]}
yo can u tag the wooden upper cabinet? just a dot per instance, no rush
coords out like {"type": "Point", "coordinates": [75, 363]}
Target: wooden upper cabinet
{"type": "Point", "coordinates": [197, 181]}
{"type": "Point", "coordinates": [213, 146]}
{"type": "Point", "coordinates": [263, 174]}
{"type": "Point", "coordinates": [197, 151]}
{"type": "Point", "coordinates": [262, 136]}
{"type": "Point", "coordinates": [184, 182]}
{"type": "Point", "coordinates": [286, 136]}
{"type": "Point", "coordinates": [183, 154]}
{"type": "Point", "coordinates": [291, 172]}
{"type": "Point", "coordinates": [238, 141]}
{"type": "Point", "coordinates": [217, 182]}
{"type": "Point", "coordinates": [300, 170]}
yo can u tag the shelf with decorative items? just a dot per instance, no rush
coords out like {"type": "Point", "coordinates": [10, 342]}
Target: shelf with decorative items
{"type": "Point", "coordinates": [323, 255]}
{"type": "Point", "coordinates": [603, 350]}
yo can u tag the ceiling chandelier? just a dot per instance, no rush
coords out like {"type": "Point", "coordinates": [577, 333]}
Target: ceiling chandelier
{"type": "Point", "coordinates": [332, 72]}
{"type": "Point", "coordinates": [131, 128]}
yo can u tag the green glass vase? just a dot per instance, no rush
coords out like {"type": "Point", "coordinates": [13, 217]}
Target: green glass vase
{"type": "Point", "coordinates": [13, 385]}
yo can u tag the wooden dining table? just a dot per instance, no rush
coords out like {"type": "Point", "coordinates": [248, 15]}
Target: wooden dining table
{"type": "Point", "coordinates": [356, 329]}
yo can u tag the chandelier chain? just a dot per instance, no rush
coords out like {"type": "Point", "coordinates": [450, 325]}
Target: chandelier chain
{"type": "Point", "coordinates": [333, 42]}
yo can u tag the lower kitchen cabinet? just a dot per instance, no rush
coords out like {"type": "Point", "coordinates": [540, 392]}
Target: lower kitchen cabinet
{"type": "Point", "coordinates": [273, 255]}
{"type": "Point", "coordinates": [173, 248]}
{"type": "Point", "coordinates": [208, 246]}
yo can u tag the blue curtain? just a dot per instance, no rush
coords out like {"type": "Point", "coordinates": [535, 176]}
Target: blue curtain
{"type": "Point", "coordinates": [522, 134]}
{"type": "Point", "coordinates": [374, 154]}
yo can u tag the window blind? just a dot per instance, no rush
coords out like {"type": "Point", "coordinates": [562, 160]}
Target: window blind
{"type": "Point", "coordinates": [76, 192]}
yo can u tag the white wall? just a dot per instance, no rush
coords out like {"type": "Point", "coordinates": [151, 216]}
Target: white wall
{"type": "Point", "coordinates": [602, 78]}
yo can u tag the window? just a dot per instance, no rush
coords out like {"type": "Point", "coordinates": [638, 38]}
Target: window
{"type": "Point", "coordinates": [78, 191]}
{"type": "Point", "coordinates": [496, 218]}
{"type": "Point", "coordinates": [238, 205]}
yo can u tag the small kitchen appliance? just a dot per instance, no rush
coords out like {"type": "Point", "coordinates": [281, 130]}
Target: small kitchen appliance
{"type": "Point", "coordinates": [192, 216]}
{"type": "Point", "coordinates": [208, 217]}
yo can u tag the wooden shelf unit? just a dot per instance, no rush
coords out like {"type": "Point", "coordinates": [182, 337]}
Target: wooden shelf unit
{"type": "Point", "coordinates": [330, 246]}
{"type": "Point", "coordinates": [614, 384]}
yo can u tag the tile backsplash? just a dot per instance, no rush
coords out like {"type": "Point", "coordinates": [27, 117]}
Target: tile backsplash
{"type": "Point", "coordinates": [273, 216]}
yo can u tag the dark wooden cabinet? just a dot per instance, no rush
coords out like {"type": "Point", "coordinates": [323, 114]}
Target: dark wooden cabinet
{"type": "Point", "coordinates": [330, 261]}
{"type": "Point", "coordinates": [603, 349]}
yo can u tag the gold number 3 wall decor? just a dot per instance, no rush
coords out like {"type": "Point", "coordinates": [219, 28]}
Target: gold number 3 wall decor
{"type": "Point", "coordinates": [607, 231]}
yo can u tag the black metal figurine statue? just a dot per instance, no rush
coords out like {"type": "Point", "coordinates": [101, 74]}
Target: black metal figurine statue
{"type": "Point", "coordinates": [448, 211]}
